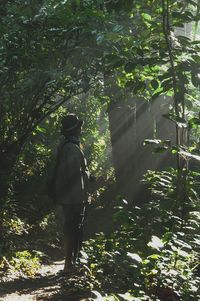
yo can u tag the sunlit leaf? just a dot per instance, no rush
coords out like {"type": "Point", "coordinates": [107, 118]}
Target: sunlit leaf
{"type": "Point", "coordinates": [152, 141]}
{"type": "Point", "coordinates": [156, 243]}
{"type": "Point", "coordinates": [84, 254]}
{"type": "Point", "coordinates": [40, 129]}
{"type": "Point", "coordinates": [135, 257]}
{"type": "Point", "coordinates": [128, 297]}
{"type": "Point", "coordinates": [154, 256]}
{"type": "Point", "coordinates": [189, 155]}
{"type": "Point", "coordinates": [182, 253]}
{"type": "Point", "coordinates": [98, 295]}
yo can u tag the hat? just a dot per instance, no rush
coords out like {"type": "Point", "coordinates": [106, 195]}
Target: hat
{"type": "Point", "coordinates": [71, 122]}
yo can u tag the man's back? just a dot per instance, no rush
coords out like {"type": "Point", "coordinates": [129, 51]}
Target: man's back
{"type": "Point", "coordinates": [70, 174]}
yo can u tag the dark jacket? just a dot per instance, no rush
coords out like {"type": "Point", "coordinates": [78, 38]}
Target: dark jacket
{"type": "Point", "coordinates": [72, 175]}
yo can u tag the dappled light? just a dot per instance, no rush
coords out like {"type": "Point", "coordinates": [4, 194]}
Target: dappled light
{"type": "Point", "coordinates": [99, 150]}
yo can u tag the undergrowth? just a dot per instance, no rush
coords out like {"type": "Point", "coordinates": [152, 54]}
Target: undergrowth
{"type": "Point", "coordinates": [26, 246]}
{"type": "Point", "coordinates": [154, 255]}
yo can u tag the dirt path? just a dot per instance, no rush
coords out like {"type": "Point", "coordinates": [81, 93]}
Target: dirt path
{"type": "Point", "coordinates": [48, 284]}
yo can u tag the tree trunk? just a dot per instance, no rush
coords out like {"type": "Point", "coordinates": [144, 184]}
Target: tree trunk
{"type": "Point", "coordinates": [131, 122]}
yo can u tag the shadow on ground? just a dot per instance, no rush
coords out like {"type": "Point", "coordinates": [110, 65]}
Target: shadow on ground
{"type": "Point", "coordinates": [51, 287]}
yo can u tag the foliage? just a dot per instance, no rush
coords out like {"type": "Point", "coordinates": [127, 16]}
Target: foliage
{"type": "Point", "coordinates": [44, 61]}
{"type": "Point", "coordinates": [26, 263]}
{"type": "Point", "coordinates": [39, 155]}
{"type": "Point", "coordinates": [152, 56]}
{"type": "Point", "coordinates": [53, 50]}
{"type": "Point", "coordinates": [153, 255]}
{"type": "Point", "coordinates": [145, 63]}
{"type": "Point", "coordinates": [156, 248]}
{"type": "Point", "coordinates": [91, 53]}
{"type": "Point", "coordinates": [27, 246]}
{"type": "Point", "coordinates": [39, 64]}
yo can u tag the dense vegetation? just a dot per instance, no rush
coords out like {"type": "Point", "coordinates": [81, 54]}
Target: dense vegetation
{"type": "Point", "coordinates": [84, 57]}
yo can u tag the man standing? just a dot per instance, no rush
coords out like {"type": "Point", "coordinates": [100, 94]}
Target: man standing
{"type": "Point", "coordinates": [70, 187]}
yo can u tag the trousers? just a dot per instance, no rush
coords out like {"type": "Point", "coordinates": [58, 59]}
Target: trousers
{"type": "Point", "coordinates": [73, 228]}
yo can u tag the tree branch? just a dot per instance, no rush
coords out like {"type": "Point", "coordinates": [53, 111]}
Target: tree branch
{"type": "Point", "coordinates": [166, 31]}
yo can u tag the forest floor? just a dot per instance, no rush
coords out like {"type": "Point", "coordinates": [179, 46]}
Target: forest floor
{"type": "Point", "coordinates": [48, 283]}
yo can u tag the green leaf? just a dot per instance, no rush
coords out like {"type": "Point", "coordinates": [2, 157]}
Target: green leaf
{"type": "Point", "coordinates": [135, 257]}
{"type": "Point", "coordinates": [196, 58]}
{"type": "Point", "coordinates": [128, 297]}
{"type": "Point", "coordinates": [195, 80]}
{"type": "Point", "coordinates": [158, 93]}
{"type": "Point", "coordinates": [154, 256]}
{"type": "Point", "coordinates": [182, 253]}
{"type": "Point", "coordinates": [182, 17]}
{"type": "Point", "coordinates": [156, 243]}
{"type": "Point", "coordinates": [193, 122]}
{"type": "Point", "coordinates": [152, 141]}
{"type": "Point", "coordinates": [117, 28]}
{"type": "Point", "coordinates": [155, 84]}
{"type": "Point", "coordinates": [147, 16]}
{"type": "Point", "coordinates": [164, 143]}
{"type": "Point", "coordinates": [192, 2]}
{"type": "Point", "coordinates": [40, 129]}
{"type": "Point", "coordinates": [197, 42]}
{"type": "Point", "coordinates": [174, 150]}
{"type": "Point", "coordinates": [98, 295]}
{"type": "Point", "coordinates": [189, 155]}
{"type": "Point", "coordinates": [114, 61]}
